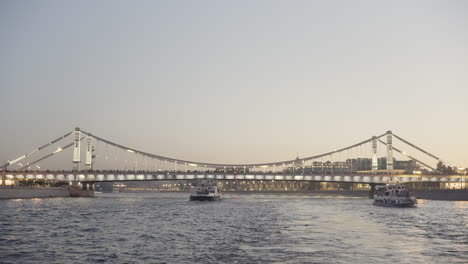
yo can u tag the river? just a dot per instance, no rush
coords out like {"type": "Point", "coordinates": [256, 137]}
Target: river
{"type": "Point", "coordinates": [167, 228]}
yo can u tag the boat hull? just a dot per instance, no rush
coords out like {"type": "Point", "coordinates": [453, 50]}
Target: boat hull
{"type": "Point", "coordinates": [204, 198]}
{"type": "Point", "coordinates": [394, 204]}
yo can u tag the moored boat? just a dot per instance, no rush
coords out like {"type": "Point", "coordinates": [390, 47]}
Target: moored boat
{"type": "Point", "coordinates": [204, 190]}
{"type": "Point", "coordinates": [393, 196]}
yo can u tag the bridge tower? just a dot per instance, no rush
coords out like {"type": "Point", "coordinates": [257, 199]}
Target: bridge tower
{"type": "Point", "coordinates": [76, 149]}
{"type": "Point", "coordinates": [389, 152]}
{"type": "Point", "coordinates": [375, 164]}
{"type": "Point", "coordinates": [89, 153]}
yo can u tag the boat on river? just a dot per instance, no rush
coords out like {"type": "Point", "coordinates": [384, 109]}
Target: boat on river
{"type": "Point", "coordinates": [393, 196]}
{"type": "Point", "coordinates": [204, 190]}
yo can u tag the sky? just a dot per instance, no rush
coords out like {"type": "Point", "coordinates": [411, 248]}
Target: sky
{"type": "Point", "coordinates": [235, 81]}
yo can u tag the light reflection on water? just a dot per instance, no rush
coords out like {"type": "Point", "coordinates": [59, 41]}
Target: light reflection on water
{"type": "Point", "coordinates": [165, 227]}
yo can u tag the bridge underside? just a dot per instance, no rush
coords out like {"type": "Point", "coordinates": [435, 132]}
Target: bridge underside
{"type": "Point", "coordinates": [118, 177]}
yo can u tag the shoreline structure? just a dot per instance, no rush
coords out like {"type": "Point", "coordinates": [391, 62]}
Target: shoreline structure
{"type": "Point", "coordinates": [24, 192]}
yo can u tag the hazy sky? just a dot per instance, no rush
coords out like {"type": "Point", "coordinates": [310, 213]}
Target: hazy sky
{"type": "Point", "coordinates": [235, 81]}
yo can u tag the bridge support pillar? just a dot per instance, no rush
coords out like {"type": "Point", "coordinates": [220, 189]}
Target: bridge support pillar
{"type": "Point", "coordinates": [375, 164]}
{"type": "Point", "coordinates": [3, 176]}
{"type": "Point", "coordinates": [371, 191]}
{"type": "Point", "coordinates": [76, 150]}
{"type": "Point", "coordinates": [5, 169]}
{"type": "Point", "coordinates": [389, 152]}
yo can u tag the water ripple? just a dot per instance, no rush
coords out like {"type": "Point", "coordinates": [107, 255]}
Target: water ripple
{"type": "Point", "coordinates": [167, 228]}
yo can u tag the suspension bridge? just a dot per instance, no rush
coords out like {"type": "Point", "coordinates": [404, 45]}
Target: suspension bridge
{"type": "Point", "coordinates": [362, 162]}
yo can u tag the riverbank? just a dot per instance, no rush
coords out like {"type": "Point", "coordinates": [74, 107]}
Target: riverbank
{"type": "Point", "coordinates": [19, 192]}
{"type": "Point", "coordinates": [442, 194]}
{"type": "Point", "coordinates": [25, 192]}
{"type": "Point", "coordinates": [435, 194]}
{"type": "Point", "coordinates": [337, 193]}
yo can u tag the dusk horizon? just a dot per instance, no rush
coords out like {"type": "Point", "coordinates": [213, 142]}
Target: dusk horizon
{"type": "Point", "coordinates": [235, 82]}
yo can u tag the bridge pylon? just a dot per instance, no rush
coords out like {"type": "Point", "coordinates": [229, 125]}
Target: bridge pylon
{"type": "Point", "coordinates": [375, 164]}
{"type": "Point", "coordinates": [389, 152]}
{"type": "Point", "coordinates": [76, 150]}
{"type": "Point", "coordinates": [89, 153]}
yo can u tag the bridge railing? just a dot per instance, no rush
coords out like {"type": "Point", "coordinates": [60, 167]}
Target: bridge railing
{"type": "Point", "coordinates": [115, 176]}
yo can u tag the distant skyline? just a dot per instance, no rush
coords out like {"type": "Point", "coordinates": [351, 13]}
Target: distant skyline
{"type": "Point", "coordinates": [235, 81]}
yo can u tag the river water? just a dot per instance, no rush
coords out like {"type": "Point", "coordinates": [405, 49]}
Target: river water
{"type": "Point", "coordinates": [167, 228]}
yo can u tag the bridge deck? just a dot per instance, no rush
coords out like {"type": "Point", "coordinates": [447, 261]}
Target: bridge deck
{"type": "Point", "coordinates": [110, 176]}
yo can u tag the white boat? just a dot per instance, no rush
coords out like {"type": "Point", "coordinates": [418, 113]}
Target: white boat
{"type": "Point", "coordinates": [204, 190]}
{"type": "Point", "coordinates": [393, 196]}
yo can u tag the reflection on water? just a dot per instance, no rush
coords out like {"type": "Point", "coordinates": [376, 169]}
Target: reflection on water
{"type": "Point", "coordinates": [158, 228]}
{"type": "Point", "coordinates": [461, 204]}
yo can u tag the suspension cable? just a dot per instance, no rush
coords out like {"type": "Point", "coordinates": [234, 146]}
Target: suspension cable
{"type": "Point", "coordinates": [410, 157]}
{"type": "Point", "coordinates": [35, 150]}
{"type": "Point", "coordinates": [51, 154]}
{"type": "Point", "coordinates": [418, 148]}
{"type": "Point", "coordinates": [217, 165]}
